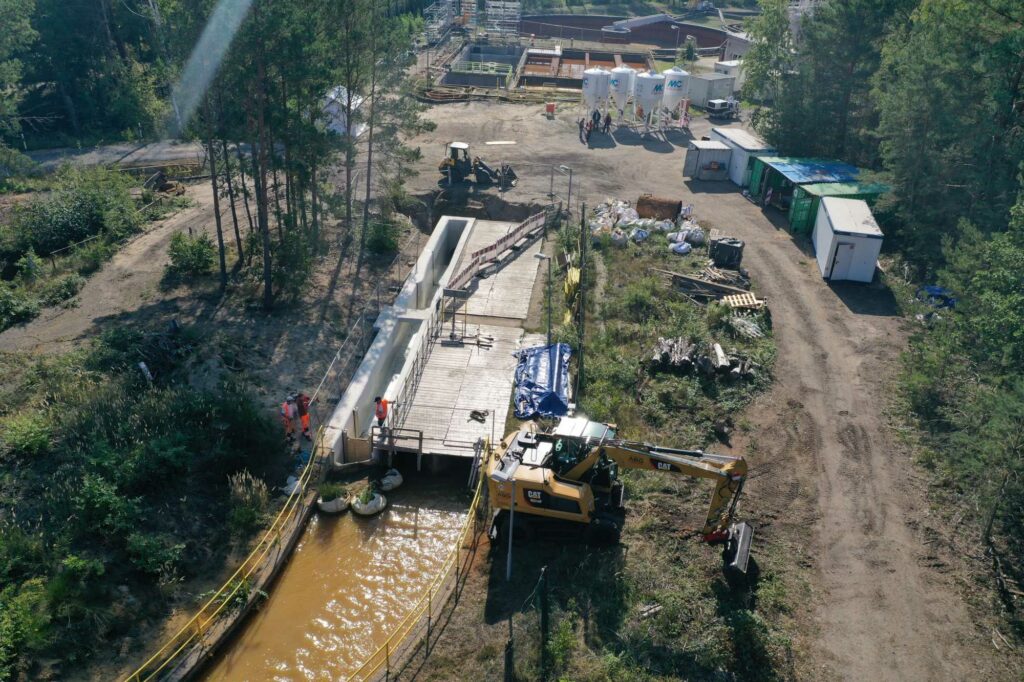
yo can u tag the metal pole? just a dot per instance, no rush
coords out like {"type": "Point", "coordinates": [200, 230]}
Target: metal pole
{"type": "Point", "coordinates": [544, 623]}
{"type": "Point", "coordinates": [568, 201]}
{"type": "Point", "coordinates": [551, 188]}
{"type": "Point", "coordinates": [549, 301]}
{"type": "Point", "coordinates": [511, 520]}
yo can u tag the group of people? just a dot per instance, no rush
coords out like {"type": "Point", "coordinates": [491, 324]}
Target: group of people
{"type": "Point", "coordinates": [295, 413]}
{"type": "Point", "coordinates": [588, 126]}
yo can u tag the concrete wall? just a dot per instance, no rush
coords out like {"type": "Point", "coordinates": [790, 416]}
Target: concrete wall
{"type": "Point", "coordinates": [401, 329]}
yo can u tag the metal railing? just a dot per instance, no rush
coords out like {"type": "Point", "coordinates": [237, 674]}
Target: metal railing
{"type": "Point", "coordinates": [402, 641]}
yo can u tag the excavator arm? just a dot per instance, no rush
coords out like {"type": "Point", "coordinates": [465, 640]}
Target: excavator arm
{"type": "Point", "coordinates": [727, 472]}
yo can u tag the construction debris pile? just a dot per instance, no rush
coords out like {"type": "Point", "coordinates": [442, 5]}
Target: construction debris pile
{"type": "Point", "coordinates": [710, 285]}
{"type": "Point", "coordinates": [622, 223]}
{"type": "Point", "coordinates": [682, 355]}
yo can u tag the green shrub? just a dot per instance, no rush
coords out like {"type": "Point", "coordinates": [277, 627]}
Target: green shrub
{"type": "Point", "coordinates": [332, 491]}
{"type": "Point", "coordinates": [88, 258]}
{"type": "Point", "coordinates": [382, 237]}
{"type": "Point", "coordinates": [24, 625]}
{"type": "Point", "coordinates": [29, 266]}
{"type": "Point", "coordinates": [63, 289]}
{"type": "Point", "coordinates": [16, 305]}
{"type": "Point", "coordinates": [192, 255]}
{"type": "Point", "coordinates": [26, 435]}
{"type": "Point", "coordinates": [85, 202]}
{"type": "Point", "coordinates": [249, 502]}
{"type": "Point", "coordinates": [154, 553]}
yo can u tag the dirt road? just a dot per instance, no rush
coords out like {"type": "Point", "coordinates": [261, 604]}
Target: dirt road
{"type": "Point", "coordinates": [127, 282]}
{"type": "Point", "coordinates": [828, 478]}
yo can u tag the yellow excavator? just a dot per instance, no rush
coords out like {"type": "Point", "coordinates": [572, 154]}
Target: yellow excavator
{"type": "Point", "coordinates": [571, 476]}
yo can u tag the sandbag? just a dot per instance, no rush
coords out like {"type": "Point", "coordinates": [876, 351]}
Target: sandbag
{"type": "Point", "coordinates": [391, 480]}
{"type": "Point", "coordinates": [681, 248]}
{"type": "Point", "coordinates": [376, 505]}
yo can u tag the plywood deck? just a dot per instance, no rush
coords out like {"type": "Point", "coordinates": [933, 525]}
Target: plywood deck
{"type": "Point", "coordinates": [457, 380]}
{"type": "Point", "coordinates": [507, 293]}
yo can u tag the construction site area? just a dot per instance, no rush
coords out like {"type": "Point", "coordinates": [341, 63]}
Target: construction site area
{"type": "Point", "coordinates": [623, 377]}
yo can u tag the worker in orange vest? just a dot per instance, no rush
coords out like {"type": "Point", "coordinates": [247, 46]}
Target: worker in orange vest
{"type": "Point", "coordinates": [302, 404]}
{"type": "Point", "coordinates": [289, 412]}
{"type": "Point", "coordinates": [380, 411]}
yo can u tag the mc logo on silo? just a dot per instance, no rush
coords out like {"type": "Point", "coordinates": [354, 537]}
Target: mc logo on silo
{"type": "Point", "coordinates": [659, 88]}
{"type": "Point", "coordinates": [675, 84]}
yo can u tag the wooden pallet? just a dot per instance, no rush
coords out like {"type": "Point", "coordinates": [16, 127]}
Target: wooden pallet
{"type": "Point", "coordinates": [745, 301]}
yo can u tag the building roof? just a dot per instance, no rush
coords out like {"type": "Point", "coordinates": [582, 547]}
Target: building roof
{"type": "Point", "coordinates": [730, 63]}
{"type": "Point", "coordinates": [851, 216]}
{"type": "Point", "coordinates": [711, 76]}
{"type": "Point", "coordinates": [709, 144]}
{"type": "Point", "coordinates": [838, 189]}
{"type": "Point", "coordinates": [746, 141]}
{"type": "Point", "coordinates": [806, 171]}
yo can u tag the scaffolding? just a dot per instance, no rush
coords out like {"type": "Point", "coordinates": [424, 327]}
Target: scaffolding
{"type": "Point", "coordinates": [502, 18]}
{"type": "Point", "coordinates": [438, 19]}
{"type": "Point", "coordinates": [468, 10]}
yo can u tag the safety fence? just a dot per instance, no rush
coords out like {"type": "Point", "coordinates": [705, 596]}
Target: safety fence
{"type": "Point", "coordinates": [417, 628]}
{"type": "Point", "coordinates": [205, 628]}
{"type": "Point", "coordinates": [480, 256]}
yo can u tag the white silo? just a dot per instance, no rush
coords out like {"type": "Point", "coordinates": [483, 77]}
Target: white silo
{"type": "Point", "coordinates": [650, 87]}
{"type": "Point", "coordinates": [596, 83]}
{"type": "Point", "coordinates": [677, 83]}
{"type": "Point", "coordinates": [621, 86]}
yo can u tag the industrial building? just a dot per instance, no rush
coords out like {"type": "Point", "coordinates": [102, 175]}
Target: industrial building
{"type": "Point", "coordinates": [745, 146]}
{"type": "Point", "coordinates": [708, 86]}
{"type": "Point", "coordinates": [847, 240]}
{"type": "Point", "coordinates": [485, 66]}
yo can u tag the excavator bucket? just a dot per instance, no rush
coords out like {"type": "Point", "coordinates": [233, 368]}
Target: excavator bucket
{"type": "Point", "coordinates": [737, 549]}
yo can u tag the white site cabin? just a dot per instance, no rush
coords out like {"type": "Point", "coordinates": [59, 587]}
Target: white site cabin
{"type": "Point", "coordinates": [847, 240]}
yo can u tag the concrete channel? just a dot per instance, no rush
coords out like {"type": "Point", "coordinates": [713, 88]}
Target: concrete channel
{"type": "Point", "coordinates": [438, 356]}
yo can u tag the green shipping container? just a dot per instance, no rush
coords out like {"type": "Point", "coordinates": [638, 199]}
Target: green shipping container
{"type": "Point", "coordinates": [803, 210]}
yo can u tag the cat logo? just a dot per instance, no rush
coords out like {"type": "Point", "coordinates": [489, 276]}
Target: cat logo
{"type": "Point", "coordinates": [664, 466]}
{"type": "Point", "coordinates": [534, 497]}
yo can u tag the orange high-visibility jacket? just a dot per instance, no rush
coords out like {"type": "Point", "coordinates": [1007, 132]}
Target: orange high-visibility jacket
{"type": "Point", "coordinates": [381, 411]}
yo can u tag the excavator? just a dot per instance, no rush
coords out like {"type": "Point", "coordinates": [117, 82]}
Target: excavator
{"type": "Point", "coordinates": [457, 166]}
{"type": "Point", "coordinates": [571, 477]}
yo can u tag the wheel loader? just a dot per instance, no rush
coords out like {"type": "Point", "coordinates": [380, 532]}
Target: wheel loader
{"type": "Point", "coordinates": [570, 478]}
{"type": "Point", "coordinates": [457, 167]}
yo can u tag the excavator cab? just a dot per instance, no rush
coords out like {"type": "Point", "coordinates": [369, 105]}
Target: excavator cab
{"type": "Point", "coordinates": [456, 166]}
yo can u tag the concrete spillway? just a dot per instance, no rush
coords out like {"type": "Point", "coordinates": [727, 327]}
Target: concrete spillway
{"type": "Point", "coordinates": [350, 581]}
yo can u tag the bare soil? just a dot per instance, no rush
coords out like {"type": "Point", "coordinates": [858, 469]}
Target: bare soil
{"type": "Point", "coordinates": [829, 480]}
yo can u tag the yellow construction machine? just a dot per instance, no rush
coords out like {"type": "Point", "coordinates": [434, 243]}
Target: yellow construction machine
{"type": "Point", "coordinates": [571, 477]}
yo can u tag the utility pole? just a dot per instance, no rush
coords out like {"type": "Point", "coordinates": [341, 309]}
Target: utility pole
{"type": "Point", "coordinates": [583, 298]}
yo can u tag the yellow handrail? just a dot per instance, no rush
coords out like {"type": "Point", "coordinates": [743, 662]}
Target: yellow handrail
{"type": "Point", "coordinates": [198, 625]}
{"type": "Point", "coordinates": [381, 656]}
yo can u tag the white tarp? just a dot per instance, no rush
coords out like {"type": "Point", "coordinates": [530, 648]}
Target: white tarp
{"type": "Point", "coordinates": [334, 111]}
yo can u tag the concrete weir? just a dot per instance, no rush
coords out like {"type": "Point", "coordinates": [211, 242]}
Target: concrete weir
{"type": "Point", "coordinates": [443, 362]}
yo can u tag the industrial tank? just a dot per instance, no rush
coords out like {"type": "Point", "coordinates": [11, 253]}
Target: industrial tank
{"type": "Point", "coordinates": [650, 87]}
{"type": "Point", "coordinates": [621, 85]}
{"type": "Point", "coordinates": [677, 82]}
{"type": "Point", "coordinates": [595, 87]}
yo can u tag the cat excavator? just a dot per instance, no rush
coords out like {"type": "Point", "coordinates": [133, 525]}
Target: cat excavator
{"type": "Point", "coordinates": [570, 477]}
{"type": "Point", "coordinates": [457, 166]}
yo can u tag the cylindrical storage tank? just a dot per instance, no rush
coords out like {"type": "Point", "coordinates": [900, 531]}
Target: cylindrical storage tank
{"type": "Point", "coordinates": [621, 85]}
{"type": "Point", "coordinates": [650, 87]}
{"type": "Point", "coordinates": [595, 87]}
{"type": "Point", "coordinates": [677, 83]}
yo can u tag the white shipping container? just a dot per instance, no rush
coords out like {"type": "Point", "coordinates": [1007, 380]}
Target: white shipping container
{"type": "Point", "coordinates": [745, 146]}
{"type": "Point", "coordinates": [708, 86]}
{"type": "Point", "coordinates": [707, 160]}
{"type": "Point", "coordinates": [847, 240]}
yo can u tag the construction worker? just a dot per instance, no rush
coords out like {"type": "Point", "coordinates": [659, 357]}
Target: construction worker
{"type": "Point", "coordinates": [302, 405]}
{"type": "Point", "coordinates": [289, 413]}
{"type": "Point", "coordinates": [607, 122]}
{"type": "Point", "coordinates": [380, 410]}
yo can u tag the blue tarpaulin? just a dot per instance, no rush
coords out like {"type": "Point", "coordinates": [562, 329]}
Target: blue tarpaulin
{"type": "Point", "coordinates": [542, 381]}
{"type": "Point", "coordinates": [805, 171]}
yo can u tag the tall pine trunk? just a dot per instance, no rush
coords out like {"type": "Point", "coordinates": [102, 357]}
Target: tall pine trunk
{"type": "Point", "coordinates": [231, 196]}
{"type": "Point", "coordinates": [262, 210]}
{"type": "Point", "coordinates": [245, 184]}
{"type": "Point", "coordinates": [216, 202]}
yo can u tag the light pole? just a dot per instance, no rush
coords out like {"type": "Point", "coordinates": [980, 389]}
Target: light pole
{"type": "Point", "coordinates": [544, 256]}
{"type": "Point", "coordinates": [568, 200]}
{"type": "Point", "coordinates": [675, 27]}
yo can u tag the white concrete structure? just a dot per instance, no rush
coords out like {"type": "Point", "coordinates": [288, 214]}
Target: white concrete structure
{"type": "Point", "coordinates": [847, 240]}
{"type": "Point", "coordinates": [432, 387]}
{"type": "Point", "coordinates": [648, 91]}
{"type": "Point", "coordinates": [709, 86]}
{"type": "Point", "coordinates": [745, 146]}
{"type": "Point", "coordinates": [734, 68]}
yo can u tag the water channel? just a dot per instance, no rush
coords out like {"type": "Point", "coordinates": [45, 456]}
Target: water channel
{"type": "Point", "coordinates": [349, 583]}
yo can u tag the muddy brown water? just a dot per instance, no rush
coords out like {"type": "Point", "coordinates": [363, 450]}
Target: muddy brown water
{"type": "Point", "coordinates": [349, 583]}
